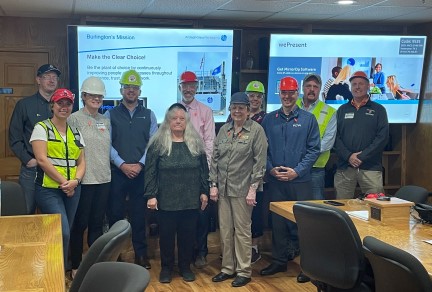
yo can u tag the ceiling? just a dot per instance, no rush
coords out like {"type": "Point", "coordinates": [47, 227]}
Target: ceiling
{"type": "Point", "coordinates": [379, 12]}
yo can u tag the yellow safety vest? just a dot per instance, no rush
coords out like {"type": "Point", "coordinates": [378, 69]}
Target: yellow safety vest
{"type": "Point", "coordinates": [63, 155]}
{"type": "Point", "coordinates": [323, 114]}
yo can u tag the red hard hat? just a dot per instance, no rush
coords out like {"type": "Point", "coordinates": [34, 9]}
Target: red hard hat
{"type": "Point", "coordinates": [288, 83]}
{"type": "Point", "coordinates": [188, 76]}
{"type": "Point", "coordinates": [359, 74]}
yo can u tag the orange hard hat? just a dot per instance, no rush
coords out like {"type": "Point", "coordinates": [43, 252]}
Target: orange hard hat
{"type": "Point", "coordinates": [188, 76]}
{"type": "Point", "coordinates": [288, 83]}
{"type": "Point", "coordinates": [359, 74]}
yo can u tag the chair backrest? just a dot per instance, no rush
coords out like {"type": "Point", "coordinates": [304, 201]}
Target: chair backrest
{"type": "Point", "coordinates": [395, 270]}
{"type": "Point", "coordinates": [105, 249]}
{"type": "Point", "coordinates": [330, 246]}
{"type": "Point", "coordinates": [115, 277]}
{"type": "Point", "coordinates": [414, 194]}
{"type": "Point", "coordinates": [13, 200]}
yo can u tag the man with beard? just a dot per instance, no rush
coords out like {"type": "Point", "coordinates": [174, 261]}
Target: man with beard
{"type": "Point", "coordinates": [132, 126]}
{"type": "Point", "coordinates": [326, 118]}
{"type": "Point", "coordinates": [28, 112]}
{"type": "Point", "coordinates": [201, 117]}
{"type": "Point", "coordinates": [362, 134]}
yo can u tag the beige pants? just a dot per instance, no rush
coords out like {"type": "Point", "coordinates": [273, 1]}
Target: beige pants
{"type": "Point", "coordinates": [236, 237]}
{"type": "Point", "coordinates": [345, 182]}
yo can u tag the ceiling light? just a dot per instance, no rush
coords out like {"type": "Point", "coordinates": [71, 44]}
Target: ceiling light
{"type": "Point", "coordinates": [345, 2]}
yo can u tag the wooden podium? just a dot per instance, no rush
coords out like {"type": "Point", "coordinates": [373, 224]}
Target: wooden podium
{"type": "Point", "coordinates": [394, 211]}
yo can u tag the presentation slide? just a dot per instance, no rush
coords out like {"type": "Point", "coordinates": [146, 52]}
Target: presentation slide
{"type": "Point", "coordinates": [399, 74]}
{"type": "Point", "coordinates": [160, 55]}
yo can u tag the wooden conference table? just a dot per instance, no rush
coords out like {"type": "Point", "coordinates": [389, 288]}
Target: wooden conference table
{"type": "Point", "coordinates": [406, 236]}
{"type": "Point", "coordinates": [31, 253]}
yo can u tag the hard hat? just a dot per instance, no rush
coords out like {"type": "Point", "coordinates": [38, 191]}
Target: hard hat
{"type": "Point", "coordinates": [62, 93]}
{"type": "Point", "coordinates": [239, 97]}
{"type": "Point", "coordinates": [188, 76]}
{"type": "Point", "coordinates": [93, 85]}
{"type": "Point", "coordinates": [255, 86]}
{"type": "Point", "coordinates": [131, 77]}
{"type": "Point", "coordinates": [359, 74]}
{"type": "Point", "coordinates": [288, 83]}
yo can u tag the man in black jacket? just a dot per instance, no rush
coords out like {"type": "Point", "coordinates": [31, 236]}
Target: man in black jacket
{"type": "Point", "coordinates": [29, 111]}
{"type": "Point", "coordinates": [362, 134]}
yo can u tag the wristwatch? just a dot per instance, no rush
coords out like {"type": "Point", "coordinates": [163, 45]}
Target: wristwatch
{"type": "Point", "coordinates": [78, 180]}
{"type": "Point", "coordinates": [213, 185]}
{"type": "Point", "coordinates": [254, 186]}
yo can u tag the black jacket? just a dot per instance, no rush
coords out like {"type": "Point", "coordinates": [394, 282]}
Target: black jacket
{"type": "Point", "coordinates": [28, 111]}
{"type": "Point", "coordinates": [365, 130]}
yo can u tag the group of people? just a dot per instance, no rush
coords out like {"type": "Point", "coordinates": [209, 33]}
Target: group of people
{"type": "Point", "coordinates": [85, 164]}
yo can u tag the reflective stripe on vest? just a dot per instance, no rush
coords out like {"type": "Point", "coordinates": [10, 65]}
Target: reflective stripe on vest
{"type": "Point", "coordinates": [323, 114]}
{"type": "Point", "coordinates": [63, 155]}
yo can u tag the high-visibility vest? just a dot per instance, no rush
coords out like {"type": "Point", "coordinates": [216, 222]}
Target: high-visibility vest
{"type": "Point", "coordinates": [63, 155]}
{"type": "Point", "coordinates": [323, 114]}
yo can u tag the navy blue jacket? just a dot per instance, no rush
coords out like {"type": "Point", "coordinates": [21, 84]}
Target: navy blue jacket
{"type": "Point", "coordinates": [293, 141]}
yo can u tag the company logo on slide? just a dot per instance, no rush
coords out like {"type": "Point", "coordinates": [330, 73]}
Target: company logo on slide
{"type": "Point", "coordinates": [224, 37]}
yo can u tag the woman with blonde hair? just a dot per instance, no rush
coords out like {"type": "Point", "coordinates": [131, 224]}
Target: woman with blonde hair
{"type": "Point", "coordinates": [397, 91]}
{"type": "Point", "coordinates": [340, 88]}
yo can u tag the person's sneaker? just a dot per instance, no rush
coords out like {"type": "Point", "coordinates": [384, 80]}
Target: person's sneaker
{"type": "Point", "coordinates": [187, 275]}
{"type": "Point", "coordinates": [256, 256]}
{"type": "Point", "coordinates": [200, 262]}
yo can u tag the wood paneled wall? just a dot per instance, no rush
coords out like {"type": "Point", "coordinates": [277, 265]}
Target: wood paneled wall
{"type": "Point", "coordinates": [38, 35]}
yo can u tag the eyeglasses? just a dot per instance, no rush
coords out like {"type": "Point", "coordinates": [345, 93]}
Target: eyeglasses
{"type": "Point", "coordinates": [238, 107]}
{"type": "Point", "coordinates": [312, 86]}
{"type": "Point", "coordinates": [133, 87]}
{"type": "Point", "coordinates": [287, 92]}
{"type": "Point", "coordinates": [64, 103]}
{"type": "Point", "coordinates": [189, 85]}
{"type": "Point", "coordinates": [93, 96]}
{"type": "Point", "coordinates": [49, 77]}
{"type": "Point", "coordinates": [255, 95]}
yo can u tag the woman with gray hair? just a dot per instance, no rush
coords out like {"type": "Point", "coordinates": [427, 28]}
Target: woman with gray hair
{"type": "Point", "coordinates": [176, 184]}
{"type": "Point", "coordinates": [237, 169]}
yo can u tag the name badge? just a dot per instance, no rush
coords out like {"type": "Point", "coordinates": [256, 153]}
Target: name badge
{"type": "Point", "coordinates": [100, 126]}
{"type": "Point", "coordinates": [349, 116]}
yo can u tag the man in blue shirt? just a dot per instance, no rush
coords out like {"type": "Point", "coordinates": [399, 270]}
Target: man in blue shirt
{"type": "Point", "coordinates": [294, 146]}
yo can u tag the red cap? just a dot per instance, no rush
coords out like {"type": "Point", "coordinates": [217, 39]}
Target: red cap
{"type": "Point", "coordinates": [62, 93]}
{"type": "Point", "coordinates": [359, 74]}
{"type": "Point", "coordinates": [288, 83]}
{"type": "Point", "coordinates": [188, 76]}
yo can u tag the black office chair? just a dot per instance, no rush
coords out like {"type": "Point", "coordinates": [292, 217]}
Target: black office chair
{"type": "Point", "coordinates": [395, 270]}
{"type": "Point", "coordinates": [412, 193]}
{"type": "Point", "coordinates": [106, 248]}
{"type": "Point", "coordinates": [330, 248]}
{"type": "Point", "coordinates": [115, 277]}
{"type": "Point", "coordinates": [13, 200]}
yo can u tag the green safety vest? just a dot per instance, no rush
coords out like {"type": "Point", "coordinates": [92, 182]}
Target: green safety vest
{"type": "Point", "coordinates": [323, 114]}
{"type": "Point", "coordinates": [63, 155]}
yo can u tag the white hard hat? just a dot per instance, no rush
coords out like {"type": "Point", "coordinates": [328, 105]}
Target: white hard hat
{"type": "Point", "coordinates": [93, 85]}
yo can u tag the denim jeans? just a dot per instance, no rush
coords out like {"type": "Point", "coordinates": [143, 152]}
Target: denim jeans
{"type": "Point", "coordinates": [55, 201]}
{"type": "Point", "coordinates": [318, 183]}
{"type": "Point", "coordinates": [27, 182]}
